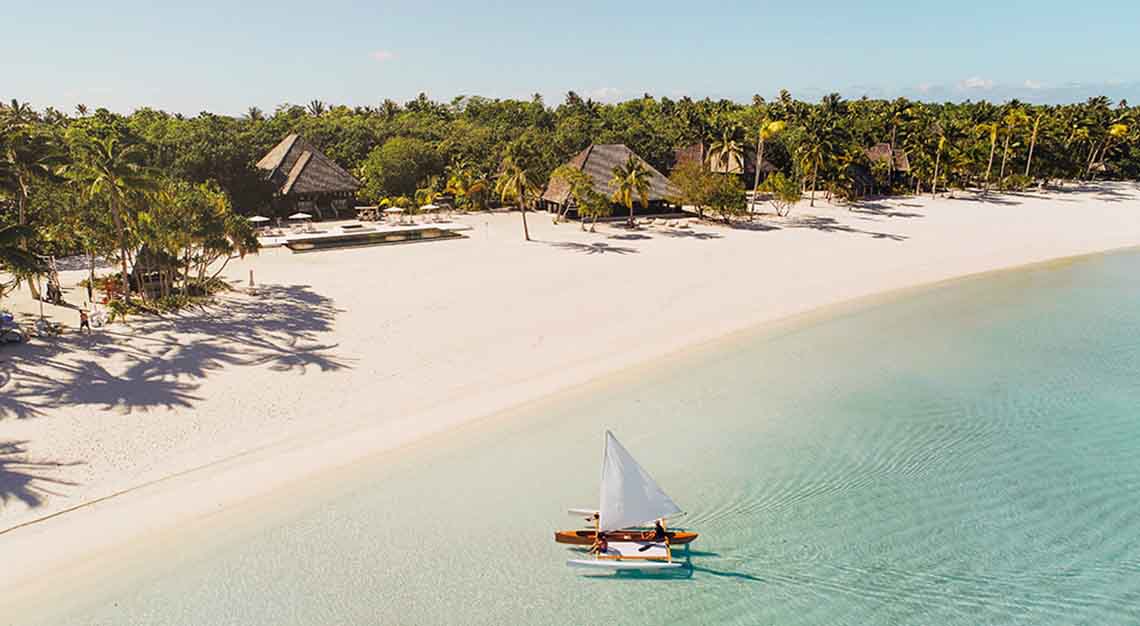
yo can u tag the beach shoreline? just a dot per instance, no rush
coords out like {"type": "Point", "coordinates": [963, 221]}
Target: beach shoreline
{"type": "Point", "coordinates": [93, 531]}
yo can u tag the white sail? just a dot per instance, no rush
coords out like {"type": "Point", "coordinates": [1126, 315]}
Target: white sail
{"type": "Point", "coordinates": [630, 496]}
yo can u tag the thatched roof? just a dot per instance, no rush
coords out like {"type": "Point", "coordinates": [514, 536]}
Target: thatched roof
{"type": "Point", "coordinates": [881, 152]}
{"type": "Point", "coordinates": [295, 166]}
{"type": "Point", "coordinates": [700, 153]}
{"type": "Point", "coordinates": [599, 161]}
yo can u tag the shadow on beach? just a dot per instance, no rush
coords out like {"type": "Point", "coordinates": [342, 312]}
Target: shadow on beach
{"type": "Point", "coordinates": [26, 480]}
{"type": "Point", "coordinates": [167, 357]}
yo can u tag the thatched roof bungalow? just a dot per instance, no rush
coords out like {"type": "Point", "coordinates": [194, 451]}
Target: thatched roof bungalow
{"type": "Point", "coordinates": [304, 179]}
{"type": "Point", "coordinates": [700, 153]}
{"type": "Point", "coordinates": [882, 153]}
{"type": "Point", "coordinates": [599, 161]}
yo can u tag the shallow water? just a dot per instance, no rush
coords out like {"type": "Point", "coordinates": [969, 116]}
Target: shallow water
{"type": "Point", "coordinates": [962, 455]}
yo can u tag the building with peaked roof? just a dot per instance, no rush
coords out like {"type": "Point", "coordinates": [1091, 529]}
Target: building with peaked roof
{"type": "Point", "coordinates": [598, 161]}
{"type": "Point", "coordinates": [700, 153]}
{"type": "Point", "coordinates": [304, 179]}
{"type": "Point", "coordinates": [882, 153]}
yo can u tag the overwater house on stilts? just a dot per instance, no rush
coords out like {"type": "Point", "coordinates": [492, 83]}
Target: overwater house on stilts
{"type": "Point", "coordinates": [305, 180]}
{"type": "Point", "coordinates": [598, 162]}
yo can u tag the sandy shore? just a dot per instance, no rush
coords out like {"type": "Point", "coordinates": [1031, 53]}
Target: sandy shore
{"type": "Point", "coordinates": [341, 354]}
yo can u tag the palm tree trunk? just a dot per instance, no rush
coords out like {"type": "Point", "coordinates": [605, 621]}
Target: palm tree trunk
{"type": "Point", "coordinates": [934, 183]}
{"type": "Point", "coordinates": [990, 164]}
{"type": "Point", "coordinates": [814, 176]}
{"type": "Point", "coordinates": [522, 207]}
{"type": "Point", "coordinates": [1032, 145]}
{"type": "Point", "coordinates": [91, 275]}
{"type": "Point", "coordinates": [759, 164]}
{"type": "Point", "coordinates": [1004, 156]}
{"type": "Point", "coordinates": [1092, 157]}
{"type": "Point", "coordinates": [891, 167]}
{"type": "Point", "coordinates": [122, 233]}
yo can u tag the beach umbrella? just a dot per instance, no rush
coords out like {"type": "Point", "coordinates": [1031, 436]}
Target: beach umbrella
{"type": "Point", "coordinates": [300, 216]}
{"type": "Point", "coordinates": [394, 209]}
{"type": "Point", "coordinates": [429, 207]}
{"type": "Point", "coordinates": [257, 219]}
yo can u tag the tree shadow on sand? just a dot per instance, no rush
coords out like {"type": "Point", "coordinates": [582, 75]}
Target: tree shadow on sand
{"type": "Point", "coordinates": [161, 360]}
{"type": "Point", "coordinates": [832, 225]}
{"type": "Point", "coordinates": [25, 480]}
{"type": "Point", "coordinates": [880, 209]}
{"type": "Point", "coordinates": [592, 248]}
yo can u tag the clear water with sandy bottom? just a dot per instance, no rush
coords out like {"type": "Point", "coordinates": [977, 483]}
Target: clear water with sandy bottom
{"type": "Point", "coordinates": [967, 454]}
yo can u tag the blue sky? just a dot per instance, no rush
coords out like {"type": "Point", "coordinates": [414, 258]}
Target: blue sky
{"type": "Point", "coordinates": [226, 56]}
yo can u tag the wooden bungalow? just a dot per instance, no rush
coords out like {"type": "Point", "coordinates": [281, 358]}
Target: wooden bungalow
{"type": "Point", "coordinates": [700, 153]}
{"type": "Point", "coordinates": [306, 180]}
{"type": "Point", "coordinates": [599, 161]}
{"type": "Point", "coordinates": [882, 153]}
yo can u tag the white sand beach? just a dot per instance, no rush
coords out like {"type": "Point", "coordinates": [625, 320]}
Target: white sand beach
{"type": "Point", "coordinates": [338, 355]}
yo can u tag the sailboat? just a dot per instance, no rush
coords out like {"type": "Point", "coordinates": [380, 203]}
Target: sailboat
{"type": "Point", "coordinates": [629, 498]}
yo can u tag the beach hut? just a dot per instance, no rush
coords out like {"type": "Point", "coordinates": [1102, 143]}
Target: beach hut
{"type": "Point", "coordinates": [305, 180]}
{"type": "Point", "coordinates": [598, 161]}
{"type": "Point", "coordinates": [700, 153]}
{"type": "Point", "coordinates": [878, 154]}
{"type": "Point", "coordinates": [882, 153]}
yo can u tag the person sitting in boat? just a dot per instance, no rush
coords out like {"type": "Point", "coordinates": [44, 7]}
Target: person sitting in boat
{"type": "Point", "coordinates": [658, 531]}
{"type": "Point", "coordinates": [600, 544]}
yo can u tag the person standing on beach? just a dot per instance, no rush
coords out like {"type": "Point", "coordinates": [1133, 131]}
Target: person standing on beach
{"type": "Point", "coordinates": [84, 321]}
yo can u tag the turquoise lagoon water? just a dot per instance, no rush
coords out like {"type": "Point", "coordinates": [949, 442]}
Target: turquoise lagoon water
{"type": "Point", "coordinates": [966, 454]}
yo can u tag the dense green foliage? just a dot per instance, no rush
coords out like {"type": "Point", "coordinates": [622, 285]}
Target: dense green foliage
{"type": "Point", "coordinates": [95, 185]}
{"type": "Point", "coordinates": [81, 180]}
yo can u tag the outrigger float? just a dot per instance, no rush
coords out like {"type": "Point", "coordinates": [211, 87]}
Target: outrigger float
{"type": "Point", "coordinates": [630, 498]}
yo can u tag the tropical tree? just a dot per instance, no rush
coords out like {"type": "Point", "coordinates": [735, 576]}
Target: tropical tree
{"type": "Point", "coordinates": [515, 183]}
{"type": "Point", "coordinates": [629, 181]}
{"type": "Point", "coordinates": [1014, 119]}
{"type": "Point", "coordinates": [1033, 142]}
{"type": "Point", "coordinates": [768, 130]}
{"type": "Point", "coordinates": [989, 129]}
{"type": "Point", "coordinates": [112, 173]}
{"type": "Point", "coordinates": [15, 259]}
{"type": "Point", "coordinates": [785, 192]}
{"type": "Point", "coordinates": [693, 182]}
{"type": "Point", "coordinates": [725, 151]}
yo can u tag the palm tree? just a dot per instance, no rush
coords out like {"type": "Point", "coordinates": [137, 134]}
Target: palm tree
{"type": "Point", "coordinates": [316, 108]}
{"type": "Point", "coordinates": [768, 130]}
{"type": "Point", "coordinates": [515, 183]}
{"type": "Point", "coordinates": [110, 170]}
{"type": "Point", "coordinates": [726, 151]}
{"type": "Point", "coordinates": [81, 110]}
{"type": "Point", "coordinates": [254, 114]}
{"type": "Point", "coordinates": [1014, 119]}
{"type": "Point", "coordinates": [629, 180]}
{"type": "Point", "coordinates": [28, 156]}
{"type": "Point", "coordinates": [15, 258]}
{"type": "Point", "coordinates": [991, 129]}
{"type": "Point", "coordinates": [1033, 143]}
{"type": "Point", "coordinates": [937, 162]}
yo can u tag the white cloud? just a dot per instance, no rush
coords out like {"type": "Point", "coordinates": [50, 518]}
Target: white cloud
{"type": "Point", "coordinates": [976, 82]}
{"type": "Point", "coordinates": [1033, 84]}
{"type": "Point", "coordinates": [604, 94]}
{"type": "Point", "coordinates": [926, 87]}
{"type": "Point", "coordinates": [383, 55]}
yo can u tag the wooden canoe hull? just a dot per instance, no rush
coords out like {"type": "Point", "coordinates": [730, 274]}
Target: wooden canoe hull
{"type": "Point", "coordinates": [586, 537]}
